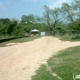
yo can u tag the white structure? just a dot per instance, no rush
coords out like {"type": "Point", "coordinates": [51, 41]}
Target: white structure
{"type": "Point", "coordinates": [43, 33]}
{"type": "Point", "coordinates": [34, 32]}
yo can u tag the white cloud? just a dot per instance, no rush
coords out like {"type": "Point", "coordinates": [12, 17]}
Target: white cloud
{"type": "Point", "coordinates": [58, 3]}
{"type": "Point", "coordinates": [36, 0]}
{"type": "Point", "coordinates": [7, 3]}
{"type": "Point", "coordinates": [51, 3]}
{"type": "Point", "coordinates": [1, 5]}
{"type": "Point", "coordinates": [29, 0]}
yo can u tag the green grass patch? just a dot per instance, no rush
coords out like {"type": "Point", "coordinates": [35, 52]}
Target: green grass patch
{"type": "Point", "coordinates": [68, 37]}
{"type": "Point", "coordinates": [18, 40]}
{"type": "Point", "coordinates": [24, 39]}
{"type": "Point", "coordinates": [43, 74]}
{"type": "Point", "coordinates": [65, 63]}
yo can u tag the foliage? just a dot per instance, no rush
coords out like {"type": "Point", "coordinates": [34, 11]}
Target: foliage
{"type": "Point", "coordinates": [62, 20]}
{"type": "Point", "coordinates": [52, 18]}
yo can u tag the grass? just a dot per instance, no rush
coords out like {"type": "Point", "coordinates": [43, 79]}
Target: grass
{"type": "Point", "coordinates": [43, 74]}
{"type": "Point", "coordinates": [65, 63]}
{"type": "Point", "coordinates": [17, 40]}
{"type": "Point", "coordinates": [68, 37]}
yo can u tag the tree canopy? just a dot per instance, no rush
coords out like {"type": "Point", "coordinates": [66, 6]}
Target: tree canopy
{"type": "Point", "coordinates": [64, 19]}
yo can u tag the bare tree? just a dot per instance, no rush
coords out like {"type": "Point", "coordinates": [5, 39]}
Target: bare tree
{"type": "Point", "coordinates": [52, 18]}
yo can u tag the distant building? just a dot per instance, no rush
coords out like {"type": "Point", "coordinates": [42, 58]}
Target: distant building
{"type": "Point", "coordinates": [34, 32]}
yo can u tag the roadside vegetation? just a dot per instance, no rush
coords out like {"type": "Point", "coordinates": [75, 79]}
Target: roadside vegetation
{"type": "Point", "coordinates": [64, 22]}
{"type": "Point", "coordinates": [67, 37]}
{"type": "Point", "coordinates": [61, 66]}
{"type": "Point", "coordinates": [16, 40]}
{"type": "Point", "coordinates": [58, 21]}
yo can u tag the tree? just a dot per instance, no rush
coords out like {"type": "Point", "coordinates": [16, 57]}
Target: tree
{"type": "Point", "coordinates": [68, 11]}
{"type": "Point", "coordinates": [51, 17]}
{"type": "Point", "coordinates": [76, 5]}
{"type": "Point", "coordinates": [11, 27]}
{"type": "Point", "coordinates": [4, 25]}
{"type": "Point", "coordinates": [56, 18]}
{"type": "Point", "coordinates": [70, 16]}
{"type": "Point", "coordinates": [2, 29]}
{"type": "Point", "coordinates": [47, 14]}
{"type": "Point", "coordinates": [27, 19]}
{"type": "Point", "coordinates": [18, 30]}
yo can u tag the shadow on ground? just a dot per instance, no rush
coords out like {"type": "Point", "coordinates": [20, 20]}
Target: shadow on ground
{"type": "Point", "coordinates": [12, 38]}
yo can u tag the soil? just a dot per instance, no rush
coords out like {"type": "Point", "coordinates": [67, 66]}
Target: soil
{"type": "Point", "coordinates": [20, 61]}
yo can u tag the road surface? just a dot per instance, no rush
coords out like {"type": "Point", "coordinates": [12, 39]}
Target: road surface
{"type": "Point", "coordinates": [19, 62]}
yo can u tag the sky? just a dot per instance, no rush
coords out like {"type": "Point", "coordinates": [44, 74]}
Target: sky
{"type": "Point", "coordinates": [17, 8]}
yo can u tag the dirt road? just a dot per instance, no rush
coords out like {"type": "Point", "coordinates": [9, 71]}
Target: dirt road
{"type": "Point", "coordinates": [19, 62]}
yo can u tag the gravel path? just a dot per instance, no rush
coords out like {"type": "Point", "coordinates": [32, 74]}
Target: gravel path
{"type": "Point", "coordinates": [19, 62]}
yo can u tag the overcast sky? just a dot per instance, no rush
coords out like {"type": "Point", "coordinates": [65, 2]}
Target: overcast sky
{"type": "Point", "coordinates": [17, 8]}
